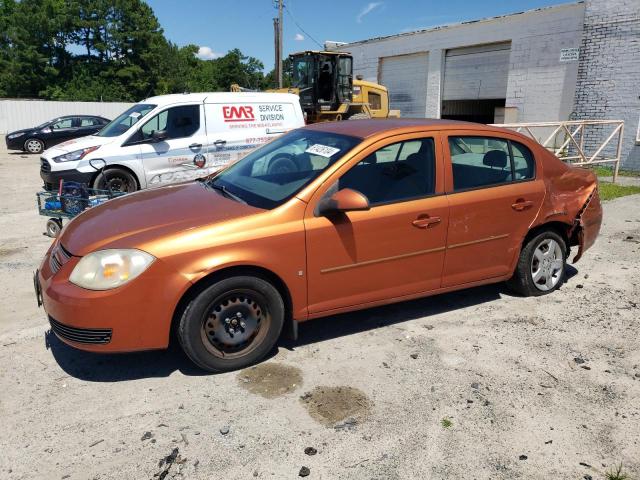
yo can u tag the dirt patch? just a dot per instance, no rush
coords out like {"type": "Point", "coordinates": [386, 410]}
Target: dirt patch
{"type": "Point", "coordinates": [270, 380]}
{"type": "Point", "coordinates": [331, 405]}
{"type": "Point", "coordinates": [5, 252]}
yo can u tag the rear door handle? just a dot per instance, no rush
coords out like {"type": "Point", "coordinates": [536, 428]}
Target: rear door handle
{"type": "Point", "coordinates": [219, 142]}
{"type": "Point", "coordinates": [194, 146]}
{"type": "Point", "coordinates": [426, 221]}
{"type": "Point", "coordinates": [522, 204]}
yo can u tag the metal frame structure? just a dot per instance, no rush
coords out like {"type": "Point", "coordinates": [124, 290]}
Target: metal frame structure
{"type": "Point", "coordinates": [567, 140]}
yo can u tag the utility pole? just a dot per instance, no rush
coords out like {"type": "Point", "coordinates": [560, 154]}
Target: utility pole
{"type": "Point", "coordinates": [279, 45]}
{"type": "Point", "coordinates": [276, 49]}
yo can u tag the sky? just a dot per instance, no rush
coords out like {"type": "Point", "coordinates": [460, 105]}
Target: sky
{"type": "Point", "coordinates": [218, 26]}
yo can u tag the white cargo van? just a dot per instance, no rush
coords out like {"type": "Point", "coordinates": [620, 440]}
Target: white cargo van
{"type": "Point", "coordinates": [172, 138]}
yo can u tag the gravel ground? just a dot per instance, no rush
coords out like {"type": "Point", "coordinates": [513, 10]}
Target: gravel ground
{"type": "Point", "coordinates": [474, 384]}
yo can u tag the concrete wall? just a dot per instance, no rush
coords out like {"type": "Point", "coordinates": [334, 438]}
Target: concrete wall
{"type": "Point", "coordinates": [539, 84]}
{"type": "Point", "coordinates": [608, 85]}
{"type": "Point", "coordinates": [18, 114]}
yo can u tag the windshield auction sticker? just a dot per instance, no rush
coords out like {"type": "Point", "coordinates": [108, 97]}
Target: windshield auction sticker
{"type": "Point", "coordinates": [322, 150]}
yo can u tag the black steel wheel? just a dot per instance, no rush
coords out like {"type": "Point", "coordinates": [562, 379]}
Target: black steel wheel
{"type": "Point", "coordinates": [116, 180]}
{"type": "Point", "coordinates": [232, 324]}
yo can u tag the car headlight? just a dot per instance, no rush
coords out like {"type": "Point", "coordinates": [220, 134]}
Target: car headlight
{"type": "Point", "coordinates": [75, 155]}
{"type": "Point", "coordinates": [107, 269]}
{"type": "Point", "coordinates": [15, 135]}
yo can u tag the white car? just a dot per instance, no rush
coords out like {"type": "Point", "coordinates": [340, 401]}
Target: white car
{"type": "Point", "coordinates": [172, 138]}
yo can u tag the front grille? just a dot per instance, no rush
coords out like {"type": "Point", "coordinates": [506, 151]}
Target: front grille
{"type": "Point", "coordinates": [81, 335]}
{"type": "Point", "coordinates": [45, 166]}
{"type": "Point", "coordinates": [59, 256]}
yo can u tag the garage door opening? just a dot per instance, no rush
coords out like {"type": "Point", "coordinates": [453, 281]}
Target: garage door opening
{"type": "Point", "coordinates": [480, 111]}
{"type": "Point", "coordinates": [475, 82]}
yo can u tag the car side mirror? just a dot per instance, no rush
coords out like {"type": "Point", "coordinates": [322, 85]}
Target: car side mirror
{"type": "Point", "coordinates": [159, 135]}
{"type": "Point", "coordinates": [342, 201]}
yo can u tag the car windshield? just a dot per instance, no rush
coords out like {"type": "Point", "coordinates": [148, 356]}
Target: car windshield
{"type": "Point", "coordinates": [42, 125]}
{"type": "Point", "coordinates": [272, 174]}
{"type": "Point", "coordinates": [125, 120]}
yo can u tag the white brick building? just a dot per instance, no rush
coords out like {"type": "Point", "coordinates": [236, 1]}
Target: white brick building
{"type": "Point", "coordinates": [579, 60]}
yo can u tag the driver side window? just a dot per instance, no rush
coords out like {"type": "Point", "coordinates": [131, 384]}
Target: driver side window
{"type": "Point", "coordinates": [398, 172]}
{"type": "Point", "coordinates": [60, 124]}
{"type": "Point", "coordinates": [179, 122]}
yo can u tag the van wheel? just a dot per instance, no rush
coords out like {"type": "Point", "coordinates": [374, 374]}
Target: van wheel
{"type": "Point", "coordinates": [116, 180]}
{"type": "Point", "coordinates": [33, 145]}
{"type": "Point", "coordinates": [232, 324]}
{"type": "Point", "coordinates": [541, 266]}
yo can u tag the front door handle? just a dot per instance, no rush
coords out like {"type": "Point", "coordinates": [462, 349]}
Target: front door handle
{"type": "Point", "coordinates": [195, 146]}
{"type": "Point", "coordinates": [424, 222]}
{"type": "Point", "coordinates": [219, 142]}
{"type": "Point", "coordinates": [522, 204]}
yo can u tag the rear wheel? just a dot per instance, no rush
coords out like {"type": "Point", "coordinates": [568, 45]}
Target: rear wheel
{"type": "Point", "coordinates": [116, 180]}
{"type": "Point", "coordinates": [232, 324]}
{"type": "Point", "coordinates": [33, 145]}
{"type": "Point", "coordinates": [541, 266]}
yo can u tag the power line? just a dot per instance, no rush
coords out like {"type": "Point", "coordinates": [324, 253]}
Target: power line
{"type": "Point", "coordinates": [301, 29]}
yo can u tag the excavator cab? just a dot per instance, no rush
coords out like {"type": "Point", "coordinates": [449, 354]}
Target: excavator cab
{"type": "Point", "coordinates": [324, 80]}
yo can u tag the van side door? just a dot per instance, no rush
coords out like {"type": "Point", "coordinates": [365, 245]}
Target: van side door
{"type": "Point", "coordinates": [172, 145]}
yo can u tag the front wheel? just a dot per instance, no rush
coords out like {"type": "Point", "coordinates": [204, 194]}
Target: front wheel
{"type": "Point", "coordinates": [115, 180]}
{"type": "Point", "coordinates": [541, 266]}
{"type": "Point", "coordinates": [34, 145]}
{"type": "Point", "coordinates": [232, 324]}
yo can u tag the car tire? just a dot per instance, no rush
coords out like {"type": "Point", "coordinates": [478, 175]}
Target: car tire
{"type": "Point", "coordinates": [542, 265]}
{"type": "Point", "coordinates": [116, 180]}
{"type": "Point", "coordinates": [33, 145]}
{"type": "Point", "coordinates": [231, 324]}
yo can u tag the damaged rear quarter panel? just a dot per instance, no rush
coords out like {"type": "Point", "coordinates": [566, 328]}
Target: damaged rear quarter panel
{"type": "Point", "coordinates": [572, 200]}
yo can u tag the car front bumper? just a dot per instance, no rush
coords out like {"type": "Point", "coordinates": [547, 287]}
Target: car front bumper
{"type": "Point", "coordinates": [15, 143]}
{"type": "Point", "coordinates": [135, 316]}
{"type": "Point", "coordinates": [51, 178]}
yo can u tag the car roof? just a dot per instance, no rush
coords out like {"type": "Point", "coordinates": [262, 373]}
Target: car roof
{"type": "Point", "coordinates": [221, 97]}
{"type": "Point", "coordinates": [367, 128]}
{"type": "Point", "coordinates": [81, 115]}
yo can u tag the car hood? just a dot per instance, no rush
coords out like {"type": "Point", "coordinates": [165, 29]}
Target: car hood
{"type": "Point", "coordinates": [78, 144]}
{"type": "Point", "coordinates": [23, 131]}
{"type": "Point", "coordinates": [141, 218]}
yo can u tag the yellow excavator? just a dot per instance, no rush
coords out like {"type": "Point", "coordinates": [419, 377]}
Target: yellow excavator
{"type": "Point", "coordinates": [324, 82]}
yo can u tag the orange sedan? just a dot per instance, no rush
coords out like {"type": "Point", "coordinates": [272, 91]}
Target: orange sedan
{"type": "Point", "coordinates": [329, 218]}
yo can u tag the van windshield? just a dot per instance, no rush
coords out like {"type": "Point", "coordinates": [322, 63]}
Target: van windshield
{"type": "Point", "coordinates": [125, 120]}
{"type": "Point", "coordinates": [272, 174]}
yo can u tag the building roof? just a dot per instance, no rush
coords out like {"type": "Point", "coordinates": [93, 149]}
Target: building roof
{"type": "Point", "coordinates": [458, 24]}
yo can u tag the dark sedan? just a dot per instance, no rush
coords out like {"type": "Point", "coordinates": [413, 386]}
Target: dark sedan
{"type": "Point", "coordinates": [58, 130]}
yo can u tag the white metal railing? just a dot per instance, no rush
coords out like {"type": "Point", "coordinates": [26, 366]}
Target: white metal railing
{"type": "Point", "coordinates": [567, 139]}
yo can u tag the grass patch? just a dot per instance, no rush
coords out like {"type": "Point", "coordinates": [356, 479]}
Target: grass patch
{"type": "Point", "coordinates": [446, 423]}
{"type": "Point", "coordinates": [609, 191]}
{"type": "Point", "coordinates": [616, 474]}
{"type": "Point", "coordinates": [604, 171]}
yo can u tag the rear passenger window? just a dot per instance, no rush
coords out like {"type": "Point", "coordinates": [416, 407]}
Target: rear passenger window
{"type": "Point", "coordinates": [523, 163]}
{"type": "Point", "coordinates": [397, 172]}
{"type": "Point", "coordinates": [487, 161]}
